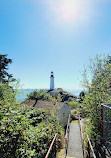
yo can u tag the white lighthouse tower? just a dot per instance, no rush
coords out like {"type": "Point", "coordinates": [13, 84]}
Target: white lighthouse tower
{"type": "Point", "coordinates": [52, 81]}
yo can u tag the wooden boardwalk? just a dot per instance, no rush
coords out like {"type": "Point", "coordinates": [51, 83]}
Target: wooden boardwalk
{"type": "Point", "coordinates": [75, 144]}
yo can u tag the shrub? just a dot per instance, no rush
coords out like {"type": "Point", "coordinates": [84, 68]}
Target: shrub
{"type": "Point", "coordinates": [74, 111]}
{"type": "Point", "coordinates": [73, 104]}
{"type": "Point", "coordinates": [98, 91]}
{"type": "Point", "coordinates": [24, 131]}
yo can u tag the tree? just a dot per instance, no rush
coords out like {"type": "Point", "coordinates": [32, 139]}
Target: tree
{"type": "Point", "coordinates": [35, 95]}
{"type": "Point", "coordinates": [38, 95]}
{"type": "Point", "coordinates": [98, 91]}
{"type": "Point", "coordinates": [82, 95]}
{"type": "Point", "coordinates": [4, 75]}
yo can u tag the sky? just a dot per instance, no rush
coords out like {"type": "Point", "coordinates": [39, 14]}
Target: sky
{"type": "Point", "coordinates": [41, 36]}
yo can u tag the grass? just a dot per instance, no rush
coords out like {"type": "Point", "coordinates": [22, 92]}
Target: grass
{"type": "Point", "coordinates": [74, 121]}
{"type": "Point", "coordinates": [61, 153]}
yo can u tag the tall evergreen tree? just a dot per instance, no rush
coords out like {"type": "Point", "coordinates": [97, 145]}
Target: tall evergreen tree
{"type": "Point", "coordinates": [4, 75]}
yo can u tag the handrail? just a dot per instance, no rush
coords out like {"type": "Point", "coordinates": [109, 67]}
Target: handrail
{"type": "Point", "coordinates": [59, 136]}
{"type": "Point", "coordinates": [91, 147]}
{"type": "Point", "coordinates": [94, 156]}
{"type": "Point", "coordinates": [106, 106]}
{"type": "Point", "coordinates": [51, 145]}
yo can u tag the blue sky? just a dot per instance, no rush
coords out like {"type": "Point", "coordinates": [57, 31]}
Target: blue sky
{"type": "Point", "coordinates": [59, 35]}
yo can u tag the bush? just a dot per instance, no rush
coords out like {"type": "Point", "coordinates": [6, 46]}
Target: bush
{"type": "Point", "coordinates": [74, 111]}
{"type": "Point", "coordinates": [98, 91]}
{"type": "Point", "coordinates": [73, 104]}
{"type": "Point", "coordinates": [71, 99]}
{"type": "Point", "coordinates": [24, 131]}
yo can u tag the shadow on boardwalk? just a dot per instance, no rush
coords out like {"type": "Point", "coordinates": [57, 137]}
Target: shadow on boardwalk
{"type": "Point", "coordinates": [75, 144]}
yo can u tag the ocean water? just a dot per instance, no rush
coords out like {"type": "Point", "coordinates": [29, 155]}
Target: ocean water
{"type": "Point", "coordinates": [22, 94]}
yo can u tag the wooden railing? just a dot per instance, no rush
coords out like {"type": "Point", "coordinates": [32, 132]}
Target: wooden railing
{"type": "Point", "coordinates": [58, 135]}
{"type": "Point", "coordinates": [86, 152]}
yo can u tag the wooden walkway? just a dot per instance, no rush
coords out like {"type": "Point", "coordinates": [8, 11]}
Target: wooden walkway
{"type": "Point", "coordinates": [75, 144]}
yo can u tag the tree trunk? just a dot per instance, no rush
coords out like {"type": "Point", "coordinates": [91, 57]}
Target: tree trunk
{"type": "Point", "coordinates": [35, 102]}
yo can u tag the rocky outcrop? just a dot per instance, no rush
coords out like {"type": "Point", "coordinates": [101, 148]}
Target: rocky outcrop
{"type": "Point", "coordinates": [64, 95]}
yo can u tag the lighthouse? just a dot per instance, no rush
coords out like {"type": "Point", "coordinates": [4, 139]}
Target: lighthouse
{"type": "Point", "coordinates": [52, 81]}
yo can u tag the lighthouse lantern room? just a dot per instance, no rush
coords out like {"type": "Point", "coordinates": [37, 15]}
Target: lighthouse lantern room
{"type": "Point", "coordinates": [52, 81]}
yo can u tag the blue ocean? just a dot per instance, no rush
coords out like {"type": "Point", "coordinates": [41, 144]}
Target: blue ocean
{"type": "Point", "coordinates": [22, 94]}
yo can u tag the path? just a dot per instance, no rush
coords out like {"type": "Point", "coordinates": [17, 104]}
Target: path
{"type": "Point", "coordinates": [75, 144]}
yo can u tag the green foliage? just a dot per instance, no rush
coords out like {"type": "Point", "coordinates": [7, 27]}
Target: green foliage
{"type": "Point", "coordinates": [64, 94]}
{"type": "Point", "coordinates": [82, 95]}
{"type": "Point", "coordinates": [4, 75]}
{"type": "Point", "coordinates": [98, 91]}
{"type": "Point", "coordinates": [44, 95]}
{"type": "Point", "coordinates": [71, 99]}
{"type": "Point", "coordinates": [82, 110]}
{"type": "Point", "coordinates": [59, 98]}
{"type": "Point", "coordinates": [73, 104]}
{"type": "Point", "coordinates": [24, 131]}
{"type": "Point", "coordinates": [40, 95]}
{"type": "Point", "coordinates": [60, 89]}
{"type": "Point", "coordinates": [74, 111]}
{"type": "Point", "coordinates": [7, 94]}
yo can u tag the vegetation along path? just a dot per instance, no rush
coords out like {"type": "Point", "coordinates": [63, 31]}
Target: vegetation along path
{"type": "Point", "coordinates": [75, 144]}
